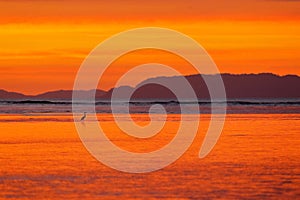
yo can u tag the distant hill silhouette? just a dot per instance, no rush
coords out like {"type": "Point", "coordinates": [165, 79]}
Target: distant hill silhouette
{"type": "Point", "coordinates": [122, 91]}
{"type": "Point", "coordinates": [67, 94]}
{"type": "Point", "coordinates": [242, 86]}
{"type": "Point", "coordinates": [11, 95]}
{"type": "Point", "coordinates": [55, 95]}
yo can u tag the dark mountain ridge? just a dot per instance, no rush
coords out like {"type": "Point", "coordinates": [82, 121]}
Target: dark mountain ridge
{"type": "Point", "coordinates": [241, 86]}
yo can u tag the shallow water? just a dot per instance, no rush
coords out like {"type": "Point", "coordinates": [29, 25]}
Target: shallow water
{"type": "Point", "coordinates": [233, 106]}
{"type": "Point", "coordinates": [257, 156]}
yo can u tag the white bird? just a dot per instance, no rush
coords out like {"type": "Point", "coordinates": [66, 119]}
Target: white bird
{"type": "Point", "coordinates": [83, 117]}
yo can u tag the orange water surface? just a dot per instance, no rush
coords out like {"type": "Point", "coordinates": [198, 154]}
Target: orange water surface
{"type": "Point", "coordinates": [257, 156]}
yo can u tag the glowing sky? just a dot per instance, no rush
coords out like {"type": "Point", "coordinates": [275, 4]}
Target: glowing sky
{"type": "Point", "coordinates": [44, 42]}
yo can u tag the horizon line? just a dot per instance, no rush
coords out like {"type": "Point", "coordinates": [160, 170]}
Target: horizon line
{"type": "Point", "coordinates": [225, 73]}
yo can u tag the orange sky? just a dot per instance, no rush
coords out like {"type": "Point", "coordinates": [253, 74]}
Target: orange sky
{"type": "Point", "coordinates": [44, 42]}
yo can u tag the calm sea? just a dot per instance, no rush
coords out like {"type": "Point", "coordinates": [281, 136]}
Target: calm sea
{"type": "Point", "coordinates": [234, 106]}
{"type": "Point", "coordinates": [256, 157]}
